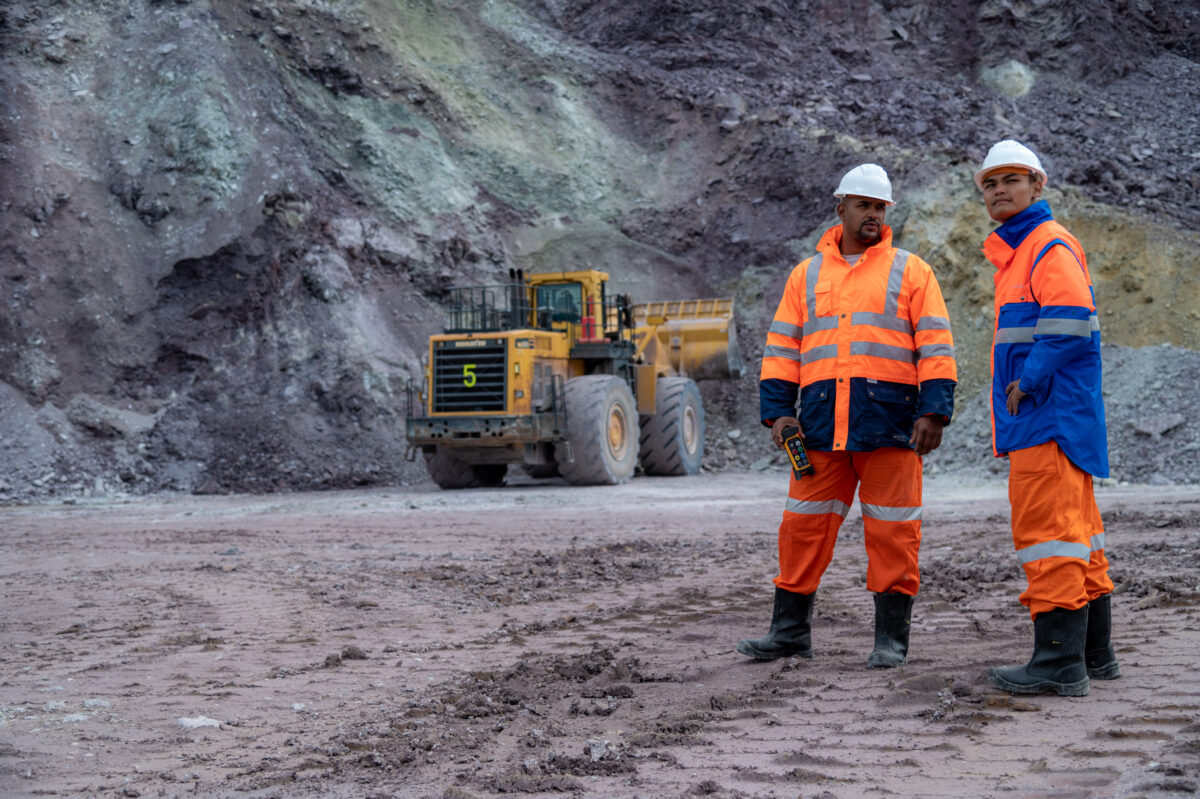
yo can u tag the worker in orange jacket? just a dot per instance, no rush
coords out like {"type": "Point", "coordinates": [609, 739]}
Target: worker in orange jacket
{"type": "Point", "coordinates": [862, 340]}
{"type": "Point", "coordinates": [1048, 418]}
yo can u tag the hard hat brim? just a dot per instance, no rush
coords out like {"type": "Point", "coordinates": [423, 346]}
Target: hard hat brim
{"type": "Point", "coordinates": [1014, 166]}
{"type": "Point", "coordinates": [842, 197]}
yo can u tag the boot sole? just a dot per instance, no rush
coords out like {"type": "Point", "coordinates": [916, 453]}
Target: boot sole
{"type": "Point", "coordinates": [1080, 688]}
{"type": "Point", "coordinates": [885, 661]}
{"type": "Point", "coordinates": [750, 651]}
{"type": "Point", "coordinates": [1109, 671]}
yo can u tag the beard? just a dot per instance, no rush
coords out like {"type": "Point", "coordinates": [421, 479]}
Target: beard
{"type": "Point", "coordinates": [863, 237]}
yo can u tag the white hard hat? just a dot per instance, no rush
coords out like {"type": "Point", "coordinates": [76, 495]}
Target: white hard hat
{"type": "Point", "coordinates": [1009, 153]}
{"type": "Point", "coordinates": [866, 180]}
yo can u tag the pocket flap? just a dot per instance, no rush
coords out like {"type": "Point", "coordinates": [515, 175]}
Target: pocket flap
{"type": "Point", "coordinates": [814, 393]}
{"type": "Point", "coordinates": [890, 392]}
{"type": "Point", "coordinates": [1017, 293]}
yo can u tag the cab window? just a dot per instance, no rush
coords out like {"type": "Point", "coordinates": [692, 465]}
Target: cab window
{"type": "Point", "coordinates": [563, 301]}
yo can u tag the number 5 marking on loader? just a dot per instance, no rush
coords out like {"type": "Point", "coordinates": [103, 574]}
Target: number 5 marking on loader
{"type": "Point", "coordinates": [468, 374]}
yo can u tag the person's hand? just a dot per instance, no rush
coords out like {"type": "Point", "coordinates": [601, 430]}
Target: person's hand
{"type": "Point", "coordinates": [779, 424]}
{"type": "Point", "coordinates": [927, 434]}
{"type": "Point", "coordinates": [1015, 394]}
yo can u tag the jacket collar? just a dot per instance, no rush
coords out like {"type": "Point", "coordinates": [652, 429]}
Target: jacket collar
{"type": "Point", "coordinates": [831, 242]}
{"type": "Point", "coordinates": [1001, 244]}
{"type": "Point", "coordinates": [1018, 226]}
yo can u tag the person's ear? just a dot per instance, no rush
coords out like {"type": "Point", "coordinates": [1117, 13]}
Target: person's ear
{"type": "Point", "coordinates": [841, 211]}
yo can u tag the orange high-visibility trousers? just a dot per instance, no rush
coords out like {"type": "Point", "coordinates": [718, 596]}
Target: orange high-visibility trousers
{"type": "Point", "coordinates": [1057, 530]}
{"type": "Point", "coordinates": [889, 484]}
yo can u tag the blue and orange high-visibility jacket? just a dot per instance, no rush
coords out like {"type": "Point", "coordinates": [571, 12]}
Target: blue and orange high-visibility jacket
{"type": "Point", "coordinates": [867, 348]}
{"type": "Point", "coordinates": [1047, 336]}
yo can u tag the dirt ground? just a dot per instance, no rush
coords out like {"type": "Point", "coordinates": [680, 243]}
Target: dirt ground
{"type": "Point", "coordinates": [547, 640]}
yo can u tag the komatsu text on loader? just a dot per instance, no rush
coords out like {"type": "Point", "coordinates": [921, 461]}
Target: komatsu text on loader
{"type": "Point", "coordinates": [554, 374]}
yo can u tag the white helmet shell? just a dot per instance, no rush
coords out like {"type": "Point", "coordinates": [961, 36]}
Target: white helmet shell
{"type": "Point", "coordinates": [866, 180]}
{"type": "Point", "coordinates": [1010, 153]}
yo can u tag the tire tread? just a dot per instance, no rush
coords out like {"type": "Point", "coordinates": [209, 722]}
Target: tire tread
{"type": "Point", "coordinates": [586, 399]}
{"type": "Point", "coordinates": [661, 446]}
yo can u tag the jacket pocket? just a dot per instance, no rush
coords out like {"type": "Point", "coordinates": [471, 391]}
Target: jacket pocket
{"type": "Point", "coordinates": [816, 414]}
{"type": "Point", "coordinates": [1009, 363]}
{"type": "Point", "coordinates": [1039, 395]}
{"type": "Point", "coordinates": [1021, 292]}
{"type": "Point", "coordinates": [884, 413]}
{"type": "Point", "coordinates": [824, 298]}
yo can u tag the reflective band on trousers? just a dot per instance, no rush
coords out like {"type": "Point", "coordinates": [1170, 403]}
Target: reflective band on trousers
{"type": "Point", "coordinates": [818, 507]}
{"type": "Point", "coordinates": [886, 513]}
{"type": "Point", "coordinates": [1054, 549]}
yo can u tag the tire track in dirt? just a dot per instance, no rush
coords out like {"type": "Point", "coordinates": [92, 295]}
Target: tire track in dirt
{"type": "Point", "coordinates": [354, 647]}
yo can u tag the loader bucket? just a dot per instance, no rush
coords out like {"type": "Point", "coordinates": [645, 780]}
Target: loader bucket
{"type": "Point", "coordinates": [691, 338]}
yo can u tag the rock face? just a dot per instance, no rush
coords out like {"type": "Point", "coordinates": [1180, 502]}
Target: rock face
{"type": "Point", "coordinates": [225, 227]}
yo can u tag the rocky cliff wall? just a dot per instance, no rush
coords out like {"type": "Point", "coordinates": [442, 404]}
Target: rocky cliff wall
{"type": "Point", "coordinates": [225, 228]}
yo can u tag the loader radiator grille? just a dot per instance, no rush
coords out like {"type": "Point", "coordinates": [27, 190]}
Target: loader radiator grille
{"type": "Point", "coordinates": [470, 378]}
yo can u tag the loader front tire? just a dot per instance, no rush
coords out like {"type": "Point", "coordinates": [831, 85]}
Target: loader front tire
{"type": "Point", "coordinates": [451, 472]}
{"type": "Point", "coordinates": [673, 438]}
{"type": "Point", "coordinates": [602, 431]}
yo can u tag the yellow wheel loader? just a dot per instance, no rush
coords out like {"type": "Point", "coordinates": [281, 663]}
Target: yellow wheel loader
{"type": "Point", "coordinates": [552, 373]}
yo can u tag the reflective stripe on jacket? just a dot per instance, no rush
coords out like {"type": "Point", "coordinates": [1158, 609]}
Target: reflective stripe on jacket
{"type": "Point", "coordinates": [867, 348]}
{"type": "Point", "coordinates": [1047, 335]}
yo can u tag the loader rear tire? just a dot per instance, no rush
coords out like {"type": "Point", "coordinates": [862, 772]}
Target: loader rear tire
{"type": "Point", "coordinates": [451, 472]}
{"type": "Point", "coordinates": [673, 438]}
{"type": "Point", "coordinates": [602, 430]}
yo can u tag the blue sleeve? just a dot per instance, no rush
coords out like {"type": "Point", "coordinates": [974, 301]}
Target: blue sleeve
{"type": "Point", "coordinates": [937, 399]}
{"type": "Point", "coordinates": [776, 398]}
{"type": "Point", "coordinates": [1053, 350]}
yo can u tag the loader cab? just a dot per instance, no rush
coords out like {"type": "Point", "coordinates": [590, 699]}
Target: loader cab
{"type": "Point", "coordinates": [572, 302]}
{"type": "Point", "coordinates": [560, 302]}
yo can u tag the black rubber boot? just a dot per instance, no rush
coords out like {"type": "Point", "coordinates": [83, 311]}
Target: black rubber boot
{"type": "Point", "coordinates": [791, 629]}
{"type": "Point", "coordinates": [1098, 654]}
{"type": "Point", "coordinates": [1057, 662]}
{"type": "Point", "coordinates": [893, 613]}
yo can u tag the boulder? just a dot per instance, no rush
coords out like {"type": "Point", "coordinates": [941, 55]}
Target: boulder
{"type": "Point", "coordinates": [107, 421]}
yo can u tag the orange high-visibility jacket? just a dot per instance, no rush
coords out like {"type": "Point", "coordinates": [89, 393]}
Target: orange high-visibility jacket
{"type": "Point", "coordinates": [867, 348]}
